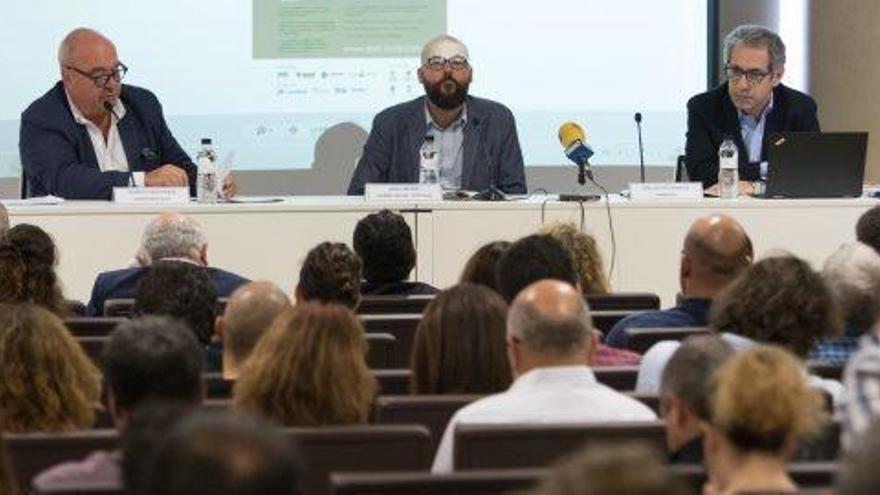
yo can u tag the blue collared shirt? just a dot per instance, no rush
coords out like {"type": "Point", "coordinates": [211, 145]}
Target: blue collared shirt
{"type": "Point", "coordinates": [450, 141]}
{"type": "Point", "coordinates": [752, 131]}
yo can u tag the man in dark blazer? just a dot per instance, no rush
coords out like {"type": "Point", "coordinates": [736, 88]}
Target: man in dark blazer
{"type": "Point", "coordinates": [90, 133]}
{"type": "Point", "coordinates": [169, 237]}
{"type": "Point", "coordinates": [749, 107]}
{"type": "Point", "coordinates": [479, 147]}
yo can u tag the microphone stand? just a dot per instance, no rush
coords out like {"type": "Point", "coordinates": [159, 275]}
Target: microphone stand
{"type": "Point", "coordinates": [638, 118]}
{"type": "Point", "coordinates": [583, 174]}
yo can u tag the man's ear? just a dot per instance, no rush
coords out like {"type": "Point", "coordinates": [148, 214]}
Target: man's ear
{"type": "Point", "coordinates": [298, 295]}
{"type": "Point", "coordinates": [777, 77]}
{"type": "Point", "coordinates": [592, 347]}
{"type": "Point", "coordinates": [218, 327]}
{"type": "Point", "coordinates": [420, 75]}
{"type": "Point", "coordinates": [203, 255]}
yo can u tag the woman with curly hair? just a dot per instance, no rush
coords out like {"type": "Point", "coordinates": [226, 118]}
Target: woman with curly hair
{"type": "Point", "coordinates": [331, 273]}
{"type": "Point", "coordinates": [584, 254]}
{"type": "Point", "coordinates": [309, 369]}
{"type": "Point", "coordinates": [27, 262]}
{"type": "Point", "coordinates": [480, 268]}
{"type": "Point", "coordinates": [48, 382]}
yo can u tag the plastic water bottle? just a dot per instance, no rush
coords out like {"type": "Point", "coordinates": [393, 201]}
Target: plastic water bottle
{"type": "Point", "coordinates": [429, 163]}
{"type": "Point", "coordinates": [206, 179]}
{"type": "Point", "coordinates": [728, 170]}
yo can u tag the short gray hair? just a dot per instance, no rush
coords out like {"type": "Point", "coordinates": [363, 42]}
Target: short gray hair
{"type": "Point", "coordinates": [558, 333]}
{"type": "Point", "coordinates": [688, 373]}
{"type": "Point", "coordinates": [179, 237]}
{"type": "Point", "coordinates": [852, 274]}
{"type": "Point", "coordinates": [753, 35]}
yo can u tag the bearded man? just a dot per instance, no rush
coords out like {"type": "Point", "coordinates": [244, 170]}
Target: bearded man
{"type": "Point", "coordinates": [476, 138]}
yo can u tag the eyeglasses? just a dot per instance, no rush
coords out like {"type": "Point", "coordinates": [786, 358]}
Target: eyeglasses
{"type": "Point", "coordinates": [456, 63]}
{"type": "Point", "coordinates": [100, 77]}
{"type": "Point", "coordinates": [753, 76]}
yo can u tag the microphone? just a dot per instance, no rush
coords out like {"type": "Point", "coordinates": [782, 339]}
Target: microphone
{"type": "Point", "coordinates": [574, 141]}
{"type": "Point", "coordinates": [638, 117]}
{"type": "Point", "coordinates": [109, 107]}
{"type": "Point", "coordinates": [492, 193]}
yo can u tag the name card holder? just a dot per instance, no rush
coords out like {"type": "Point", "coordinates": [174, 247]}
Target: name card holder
{"type": "Point", "coordinates": [665, 190]}
{"type": "Point", "coordinates": [402, 193]}
{"type": "Point", "coordinates": [151, 195]}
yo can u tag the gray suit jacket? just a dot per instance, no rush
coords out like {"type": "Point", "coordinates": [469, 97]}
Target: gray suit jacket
{"type": "Point", "coordinates": [491, 154]}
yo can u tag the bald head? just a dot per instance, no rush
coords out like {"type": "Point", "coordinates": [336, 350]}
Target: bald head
{"type": "Point", "coordinates": [550, 318]}
{"type": "Point", "coordinates": [249, 313]}
{"type": "Point", "coordinates": [81, 44]}
{"type": "Point", "coordinates": [172, 235]}
{"type": "Point", "coordinates": [717, 249]}
{"type": "Point", "coordinates": [444, 46]}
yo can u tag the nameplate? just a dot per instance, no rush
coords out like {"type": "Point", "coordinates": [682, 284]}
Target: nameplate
{"type": "Point", "coordinates": [151, 195]}
{"type": "Point", "coordinates": [377, 192]}
{"type": "Point", "coordinates": [665, 190]}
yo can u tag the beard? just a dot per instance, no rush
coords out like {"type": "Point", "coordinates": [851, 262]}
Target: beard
{"type": "Point", "coordinates": [447, 97]}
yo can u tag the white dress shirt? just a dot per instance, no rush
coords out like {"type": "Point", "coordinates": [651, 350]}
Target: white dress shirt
{"type": "Point", "coordinates": [562, 394]}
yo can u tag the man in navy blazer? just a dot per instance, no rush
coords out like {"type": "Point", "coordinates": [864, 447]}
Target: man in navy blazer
{"type": "Point", "coordinates": [750, 106]}
{"type": "Point", "coordinates": [169, 237]}
{"type": "Point", "coordinates": [477, 138]}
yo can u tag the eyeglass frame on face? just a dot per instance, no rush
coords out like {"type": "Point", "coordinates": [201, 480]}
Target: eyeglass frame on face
{"type": "Point", "coordinates": [456, 63]}
{"type": "Point", "coordinates": [102, 80]}
{"type": "Point", "coordinates": [753, 76]}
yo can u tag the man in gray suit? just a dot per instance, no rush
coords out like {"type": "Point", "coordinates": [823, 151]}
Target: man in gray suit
{"type": "Point", "coordinates": [476, 138]}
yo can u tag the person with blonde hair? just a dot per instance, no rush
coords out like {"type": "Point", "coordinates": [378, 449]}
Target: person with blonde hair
{"type": "Point", "coordinates": [49, 384]}
{"type": "Point", "coordinates": [761, 408]}
{"type": "Point", "coordinates": [309, 369]}
{"type": "Point", "coordinates": [584, 253]}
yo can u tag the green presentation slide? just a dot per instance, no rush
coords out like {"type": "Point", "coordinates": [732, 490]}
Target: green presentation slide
{"type": "Point", "coordinates": [287, 29]}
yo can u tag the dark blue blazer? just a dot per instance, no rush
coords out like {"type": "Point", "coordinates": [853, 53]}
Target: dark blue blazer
{"type": "Point", "coordinates": [491, 154]}
{"type": "Point", "coordinates": [58, 158]}
{"type": "Point", "coordinates": [121, 284]}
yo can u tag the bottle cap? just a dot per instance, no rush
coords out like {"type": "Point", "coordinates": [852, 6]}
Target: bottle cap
{"type": "Point", "coordinates": [206, 141]}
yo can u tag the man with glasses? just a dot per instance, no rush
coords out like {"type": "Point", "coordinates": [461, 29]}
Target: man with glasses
{"type": "Point", "coordinates": [91, 133]}
{"type": "Point", "coordinates": [477, 140]}
{"type": "Point", "coordinates": [749, 106]}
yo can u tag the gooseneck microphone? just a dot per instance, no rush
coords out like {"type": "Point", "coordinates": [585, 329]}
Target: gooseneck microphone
{"type": "Point", "coordinates": [492, 193]}
{"type": "Point", "coordinates": [574, 140]}
{"type": "Point", "coordinates": [638, 117]}
{"type": "Point", "coordinates": [109, 107]}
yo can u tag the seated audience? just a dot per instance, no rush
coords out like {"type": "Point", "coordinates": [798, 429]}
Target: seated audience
{"type": "Point", "coordinates": [685, 389]}
{"type": "Point", "coordinates": [222, 455]}
{"type": "Point", "coordinates": [868, 228]}
{"type": "Point", "coordinates": [384, 242]}
{"type": "Point", "coordinates": [538, 257]}
{"type": "Point", "coordinates": [48, 383]}
{"type": "Point", "coordinates": [716, 249]}
{"type": "Point", "coordinates": [859, 474]}
{"type": "Point", "coordinates": [762, 406]}
{"type": "Point", "coordinates": [629, 468]}
{"type": "Point", "coordinates": [853, 276]}
{"type": "Point", "coordinates": [29, 257]}
{"type": "Point", "coordinates": [550, 341]}
{"type": "Point", "coordinates": [309, 369]}
{"type": "Point", "coordinates": [480, 268]}
{"type": "Point", "coordinates": [170, 236]}
{"type": "Point", "coordinates": [146, 359]}
{"type": "Point", "coordinates": [249, 313]}
{"type": "Point", "coordinates": [584, 253]}
{"type": "Point", "coordinates": [331, 273]}
{"type": "Point", "coordinates": [460, 344]}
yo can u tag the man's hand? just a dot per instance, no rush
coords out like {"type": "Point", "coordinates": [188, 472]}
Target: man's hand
{"type": "Point", "coordinates": [745, 189]}
{"type": "Point", "coordinates": [167, 175]}
{"type": "Point", "coordinates": [230, 187]}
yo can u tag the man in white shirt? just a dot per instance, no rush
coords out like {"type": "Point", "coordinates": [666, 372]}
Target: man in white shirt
{"type": "Point", "coordinates": [550, 342]}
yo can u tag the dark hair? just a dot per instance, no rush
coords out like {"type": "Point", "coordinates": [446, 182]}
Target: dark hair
{"type": "Point", "coordinates": [331, 273]}
{"type": "Point", "coordinates": [384, 242]}
{"type": "Point", "coordinates": [778, 300]}
{"type": "Point", "coordinates": [480, 268]}
{"type": "Point", "coordinates": [152, 357]}
{"type": "Point", "coordinates": [8, 481]}
{"type": "Point", "coordinates": [223, 455]}
{"type": "Point", "coordinates": [180, 290]}
{"type": "Point", "coordinates": [868, 228]}
{"type": "Point", "coordinates": [530, 259]}
{"type": "Point", "coordinates": [28, 251]}
{"type": "Point", "coordinates": [688, 373]}
{"type": "Point", "coordinates": [460, 345]}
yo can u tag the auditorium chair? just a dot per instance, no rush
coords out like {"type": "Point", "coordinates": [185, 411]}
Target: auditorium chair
{"type": "Point", "coordinates": [392, 305]}
{"type": "Point", "coordinates": [87, 326]}
{"type": "Point", "coordinates": [124, 307]}
{"type": "Point", "coordinates": [621, 378]}
{"type": "Point", "coordinates": [623, 301]}
{"type": "Point", "coordinates": [32, 453]}
{"type": "Point", "coordinates": [605, 320]}
{"type": "Point", "coordinates": [430, 411]}
{"type": "Point", "coordinates": [93, 346]}
{"type": "Point", "coordinates": [401, 326]}
{"type": "Point", "coordinates": [74, 307]}
{"type": "Point", "coordinates": [807, 475]}
{"type": "Point", "coordinates": [650, 400]}
{"type": "Point", "coordinates": [382, 351]}
{"type": "Point", "coordinates": [641, 339]}
{"type": "Point", "coordinates": [73, 489]}
{"type": "Point", "coordinates": [391, 381]}
{"type": "Point", "coordinates": [476, 482]}
{"type": "Point", "coordinates": [826, 370]}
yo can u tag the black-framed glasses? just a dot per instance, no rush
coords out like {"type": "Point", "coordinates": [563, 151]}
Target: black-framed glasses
{"type": "Point", "coordinates": [456, 63]}
{"type": "Point", "coordinates": [101, 77]}
{"type": "Point", "coordinates": [753, 77]}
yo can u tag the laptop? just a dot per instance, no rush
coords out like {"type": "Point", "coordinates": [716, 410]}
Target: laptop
{"type": "Point", "coordinates": [816, 164]}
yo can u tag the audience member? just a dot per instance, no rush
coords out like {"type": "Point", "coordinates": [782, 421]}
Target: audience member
{"type": "Point", "coordinates": [170, 236]}
{"type": "Point", "coordinates": [309, 369]}
{"type": "Point", "coordinates": [859, 474]}
{"type": "Point", "coordinates": [716, 249]}
{"type": "Point", "coordinates": [480, 268]}
{"type": "Point", "coordinates": [761, 408]}
{"type": "Point", "coordinates": [538, 257]}
{"type": "Point", "coordinates": [550, 341]}
{"type": "Point", "coordinates": [48, 384]}
{"type": "Point", "coordinates": [868, 228]}
{"type": "Point", "coordinates": [8, 481]}
{"type": "Point", "coordinates": [853, 276]}
{"type": "Point", "coordinates": [249, 313]}
{"type": "Point", "coordinates": [460, 344]}
{"type": "Point", "coordinates": [685, 390]}
{"type": "Point", "coordinates": [222, 455]}
{"type": "Point", "coordinates": [331, 273]}
{"type": "Point", "coordinates": [4, 219]}
{"type": "Point", "coordinates": [146, 359]}
{"type": "Point", "coordinates": [629, 468]}
{"type": "Point", "coordinates": [384, 243]}
{"type": "Point", "coordinates": [31, 258]}
{"type": "Point", "coordinates": [584, 253]}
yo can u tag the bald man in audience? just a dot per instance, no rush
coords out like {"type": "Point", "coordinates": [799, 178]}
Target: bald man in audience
{"type": "Point", "coordinates": [716, 249]}
{"type": "Point", "coordinates": [249, 312]}
{"type": "Point", "coordinates": [550, 343]}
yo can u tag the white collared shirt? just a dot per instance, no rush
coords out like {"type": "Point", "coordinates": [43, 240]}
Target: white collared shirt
{"type": "Point", "coordinates": [450, 142]}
